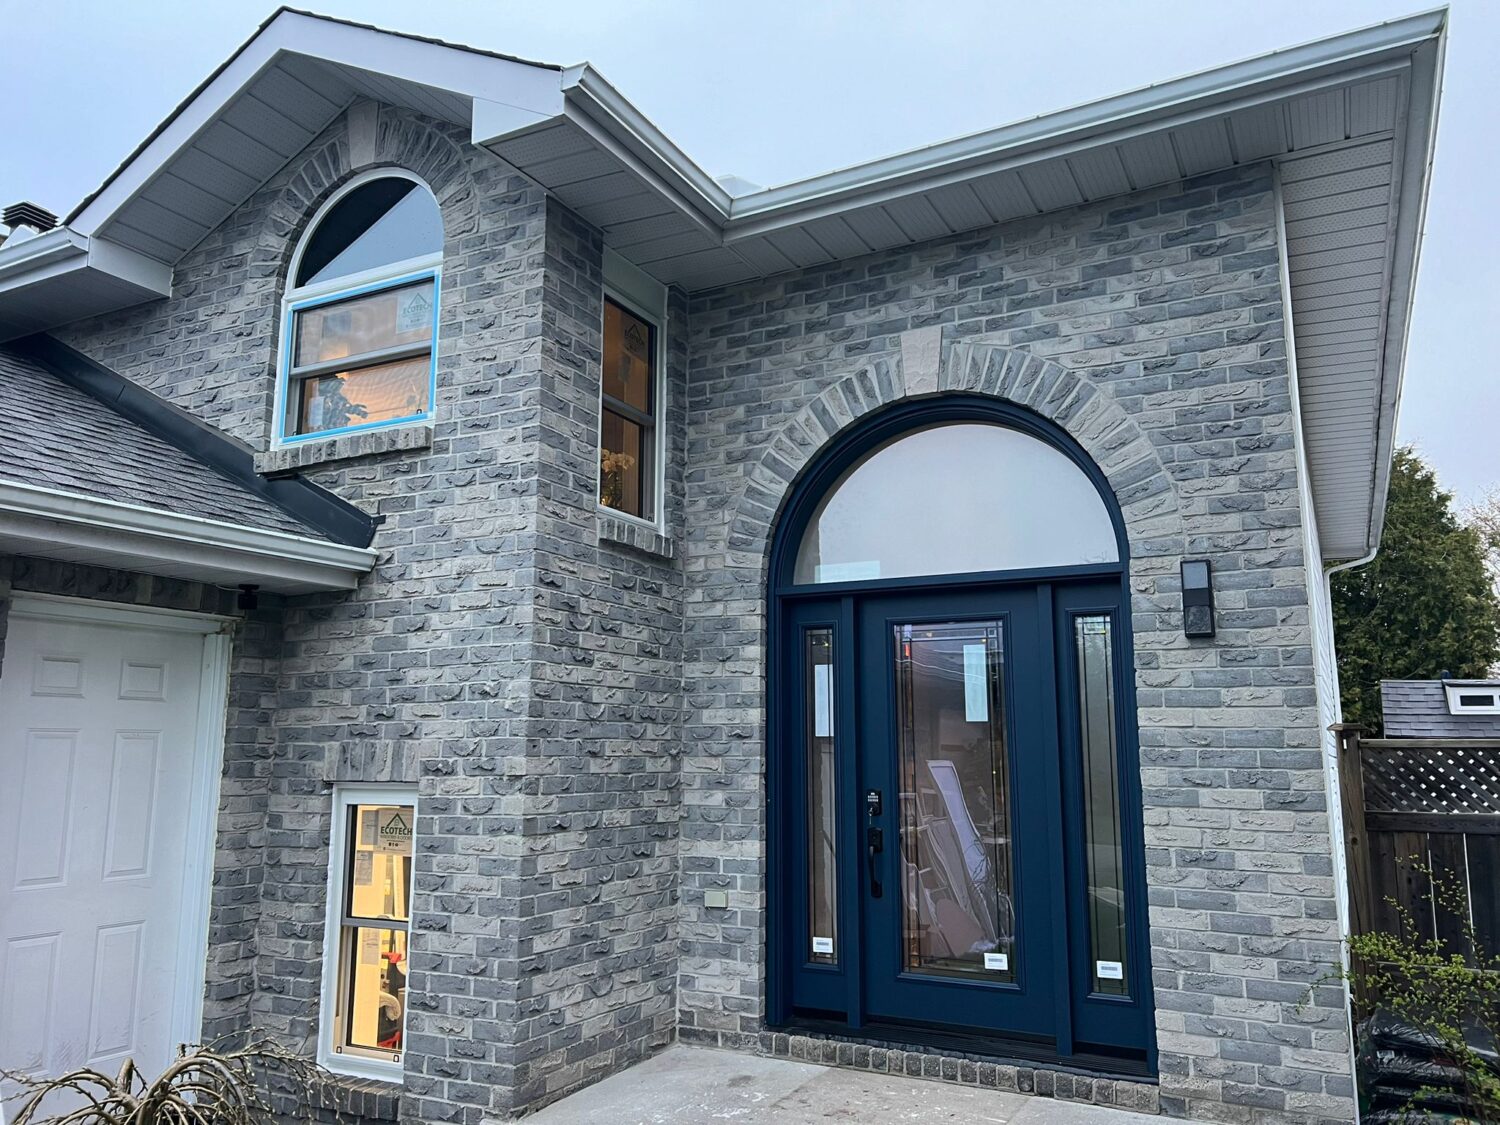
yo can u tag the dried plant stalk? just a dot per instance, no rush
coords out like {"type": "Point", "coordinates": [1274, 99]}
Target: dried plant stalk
{"type": "Point", "coordinates": [204, 1085]}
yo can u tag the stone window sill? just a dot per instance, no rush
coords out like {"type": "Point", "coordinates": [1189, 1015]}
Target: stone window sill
{"type": "Point", "coordinates": [346, 447]}
{"type": "Point", "coordinates": [638, 537]}
{"type": "Point", "coordinates": [356, 1099]}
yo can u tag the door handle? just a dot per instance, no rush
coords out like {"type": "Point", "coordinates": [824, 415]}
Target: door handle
{"type": "Point", "coordinates": [874, 845]}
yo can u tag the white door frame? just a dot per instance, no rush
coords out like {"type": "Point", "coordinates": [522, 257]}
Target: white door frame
{"type": "Point", "coordinates": [208, 766]}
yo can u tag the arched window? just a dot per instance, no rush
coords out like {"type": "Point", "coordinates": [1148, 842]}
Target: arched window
{"type": "Point", "coordinates": [361, 312]}
{"type": "Point", "coordinates": [956, 498]}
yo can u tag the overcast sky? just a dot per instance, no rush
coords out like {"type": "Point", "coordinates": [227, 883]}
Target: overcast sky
{"type": "Point", "coordinates": [780, 89]}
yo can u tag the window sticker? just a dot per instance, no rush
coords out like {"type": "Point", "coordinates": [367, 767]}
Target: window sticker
{"type": "Point", "coordinates": [369, 947]}
{"type": "Point", "coordinates": [364, 868]}
{"type": "Point", "coordinates": [1000, 962]}
{"type": "Point", "coordinates": [1109, 970]}
{"type": "Point", "coordinates": [822, 700]}
{"type": "Point", "coordinates": [976, 684]}
{"type": "Point", "coordinates": [822, 945]}
{"type": "Point", "coordinates": [413, 310]}
{"type": "Point", "coordinates": [393, 831]}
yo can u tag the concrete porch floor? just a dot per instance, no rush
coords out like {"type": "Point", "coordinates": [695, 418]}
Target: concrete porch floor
{"type": "Point", "coordinates": [692, 1085]}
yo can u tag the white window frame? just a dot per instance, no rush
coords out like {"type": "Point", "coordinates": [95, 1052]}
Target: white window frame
{"type": "Point", "coordinates": [641, 295]}
{"type": "Point", "coordinates": [296, 299]}
{"type": "Point", "coordinates": [1453, 690]}
{"type": "Point", "coordinates": [355, 1062]}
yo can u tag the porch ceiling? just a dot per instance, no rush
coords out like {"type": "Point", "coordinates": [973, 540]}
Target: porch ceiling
{"type": "Point", "coordinates": [1311, 108]}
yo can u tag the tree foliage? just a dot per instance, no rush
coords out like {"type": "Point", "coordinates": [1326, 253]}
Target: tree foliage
{"type": "Point", "coordinates": [1424, 606]}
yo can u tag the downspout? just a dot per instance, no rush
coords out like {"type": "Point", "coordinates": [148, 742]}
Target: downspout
{"type": "Point", "coordinates": [1329, 572]}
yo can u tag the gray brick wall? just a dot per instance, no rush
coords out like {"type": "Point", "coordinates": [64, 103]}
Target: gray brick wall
{"type": "Point", "coordinates": [514, 653]}
{"type": "Point", "coordinates": [580, 700]}
{"type": "Point", "coordinates": [425, 673]}
{"type": "Point", "coordinates": [1151, 329]}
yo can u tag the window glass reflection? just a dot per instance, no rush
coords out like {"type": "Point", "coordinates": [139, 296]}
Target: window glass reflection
{"type": "Point", "coordinates": [377, 988]}
{"type": "Point", "coordinates": [955, 817]}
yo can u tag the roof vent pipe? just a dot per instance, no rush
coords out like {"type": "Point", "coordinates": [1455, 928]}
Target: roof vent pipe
{"type": "Point", "coordinates": [26, 220]}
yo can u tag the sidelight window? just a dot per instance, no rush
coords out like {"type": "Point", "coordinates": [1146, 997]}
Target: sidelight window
{"type": "Point", "coordinates": [822, 796]}
{"type": "Point", "coordinates": [1103, 841]}
{"type": "Point", "coordinates": [365, 955]}
{"type": "Point", "coordinates": [361, 315]}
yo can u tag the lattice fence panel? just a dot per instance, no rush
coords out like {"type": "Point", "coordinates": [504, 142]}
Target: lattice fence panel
{"type": "Point", "coordinates": [1460, 779]}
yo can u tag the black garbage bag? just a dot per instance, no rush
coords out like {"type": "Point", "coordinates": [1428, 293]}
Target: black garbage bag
{"type": "Point", "coordinates": [1407, 1074]}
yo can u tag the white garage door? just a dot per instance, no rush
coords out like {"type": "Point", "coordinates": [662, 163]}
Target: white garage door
{"type": "Point", "coordinates": [102, 779]}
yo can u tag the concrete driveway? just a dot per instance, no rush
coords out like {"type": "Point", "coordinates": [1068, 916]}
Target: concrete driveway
{"type": "Point", "coordinates": [697, 1086]}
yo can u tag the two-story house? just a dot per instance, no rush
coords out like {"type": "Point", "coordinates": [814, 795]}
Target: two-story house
{"type": "Point", "coordinates": [484, 599]}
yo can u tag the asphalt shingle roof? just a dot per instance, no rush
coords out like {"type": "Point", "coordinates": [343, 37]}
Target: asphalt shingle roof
{"type": "Point", "coordinates": [1419, 709]}
{"type": "Point", "coordinates": [57, 436]}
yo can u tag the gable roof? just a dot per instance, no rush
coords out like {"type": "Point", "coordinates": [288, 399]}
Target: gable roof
{"type": "Point", "coordinates": [1349, 120]}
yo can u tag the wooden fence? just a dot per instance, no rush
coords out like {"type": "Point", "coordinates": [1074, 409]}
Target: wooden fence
{"type": "Point", "coordinates": [1415, 804]}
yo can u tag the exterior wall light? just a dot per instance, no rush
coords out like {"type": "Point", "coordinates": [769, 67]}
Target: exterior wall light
{"type": "Point", "coordinates": [1197, 598]}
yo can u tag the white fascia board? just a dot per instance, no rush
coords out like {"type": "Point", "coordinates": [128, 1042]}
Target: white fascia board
{"type": "Point", "coordinates": [59, 519]}
{"type": "Point", "coordinates": [526, 86]}
{"type": "Point", "coordinates": [1334, 61]}
{"type": "Point", "coordinates": [140, 270]}
{"type": "Point", "coordinates": [1413, 185]}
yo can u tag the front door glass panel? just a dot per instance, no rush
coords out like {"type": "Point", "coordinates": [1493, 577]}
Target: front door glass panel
{"type": "Point", "coordinates": [1104, 848]}
{"type": "Point", "coordinates": [957, 876]}
{"type": "Point", "coordinates": [822, 796]}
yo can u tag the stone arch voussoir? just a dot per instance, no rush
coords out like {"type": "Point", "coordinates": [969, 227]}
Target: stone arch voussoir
{"type": "Point", "coordinates": [397, 139]}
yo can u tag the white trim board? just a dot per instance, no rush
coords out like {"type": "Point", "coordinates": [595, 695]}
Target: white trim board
{"type": "Point", "coordinates": [340, 798]}
{"type": "Point", "coordinates": [54, 524]}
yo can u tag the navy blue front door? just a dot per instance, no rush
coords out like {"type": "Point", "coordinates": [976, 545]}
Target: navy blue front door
{"type": "Point", "coordinates": [958, 817]}
{"type": "Point", "coordinates": [953, 758]}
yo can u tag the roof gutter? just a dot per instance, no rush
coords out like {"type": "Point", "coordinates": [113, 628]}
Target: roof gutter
{"type": "Point", "coordinates": [20, 260]}
{"type": "Point", "coordinates": [53, 523]}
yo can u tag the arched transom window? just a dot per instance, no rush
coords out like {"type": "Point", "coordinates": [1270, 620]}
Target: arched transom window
{"type": "Point", "coordinates": [361, 312]}
{"type": "Point", "coordinates": [956, 498]}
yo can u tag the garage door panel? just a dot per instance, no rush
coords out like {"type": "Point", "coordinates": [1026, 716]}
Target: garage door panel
{"type": "Point", "coordinates": [143, 680]}
{"type": "Point", "coordinates": [115, 1003]}
{"type": "Point", "coordinates": [27, 1000]}
{"type": "Point", "coordinates": [133, 783]}
{"type": "Point", "coordinates": [57, 674]}
{"type": "Point", "coordinates": [44, 818]}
